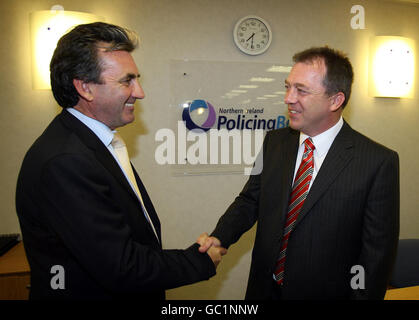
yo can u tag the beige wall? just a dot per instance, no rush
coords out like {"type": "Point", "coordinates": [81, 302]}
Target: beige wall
{"type": "Point", "coordinates": [202, 30]}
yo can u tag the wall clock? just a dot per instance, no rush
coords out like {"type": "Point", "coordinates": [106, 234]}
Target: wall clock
{"type": "Point", "coordinates": [252, 35]}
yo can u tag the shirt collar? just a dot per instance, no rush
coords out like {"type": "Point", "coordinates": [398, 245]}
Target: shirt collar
{"type": "Point", "coordinates": [324, 140]}
{"type": "Point", "coordinates": [100, 129]}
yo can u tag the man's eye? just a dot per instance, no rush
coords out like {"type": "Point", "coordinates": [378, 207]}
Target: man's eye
{"type": "Point", "coordinates": [126, 82]}
{"type": "Point", "coordinates": [302, 91]}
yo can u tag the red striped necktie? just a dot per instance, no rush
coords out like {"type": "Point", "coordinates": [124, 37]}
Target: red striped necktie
{"type": "Point", "coordinates": [298, 195]}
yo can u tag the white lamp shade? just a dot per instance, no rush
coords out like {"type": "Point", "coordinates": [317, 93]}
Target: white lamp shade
{"type": "Point", "coordinates": [47, 27]}
{"type": "Point", "coordinates": [392, 67]}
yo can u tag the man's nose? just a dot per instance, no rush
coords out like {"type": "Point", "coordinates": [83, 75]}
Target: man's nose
{"type": "Point", "coordinates": [290, 96]}
{"type": "Point", "coordinates": [138, 92]}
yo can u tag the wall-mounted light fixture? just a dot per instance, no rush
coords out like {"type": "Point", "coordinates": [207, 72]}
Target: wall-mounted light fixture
{"type": "Point", "coordinates": [47, 27]}
{"type": "Point", "coordinates": [391, 67]}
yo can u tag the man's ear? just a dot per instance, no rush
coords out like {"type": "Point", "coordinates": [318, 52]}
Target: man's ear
{"type": "Point", "coordinates": [336, 101]}
{"type": "Point", "coordinates": [83, 89]}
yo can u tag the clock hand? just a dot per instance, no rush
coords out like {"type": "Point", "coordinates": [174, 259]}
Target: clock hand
{"type": "Point", "coordinates": [251, 37]}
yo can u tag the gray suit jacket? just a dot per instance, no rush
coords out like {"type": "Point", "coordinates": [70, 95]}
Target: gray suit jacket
{"type": "Point", "coordinates": [350, 217]}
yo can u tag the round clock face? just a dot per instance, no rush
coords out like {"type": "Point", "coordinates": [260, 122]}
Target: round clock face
{"type": "Point", "coordinates": [252, 35]}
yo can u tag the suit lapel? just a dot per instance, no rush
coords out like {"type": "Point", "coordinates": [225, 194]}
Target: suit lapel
{"type": "Point", "coordinates": [149, 205]}
{"type": "Point", "coordinates": [339, 156]}
{"type": "Point", "coordinates": [94, 143]}
{"type": "Point", "coordinates": [287, 165]}
{"type": "Point", "coordinates": [279, 172]}
{"type": "Point", "coordinates": [108, 161]}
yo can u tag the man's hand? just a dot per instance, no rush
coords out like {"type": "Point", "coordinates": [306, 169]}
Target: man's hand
{"type": "Point", "coordinates": [212, 246]}
{"type": "Point", "coordinates": [206, 242]}
{"type": "Point", "coordinates": [216, 253]}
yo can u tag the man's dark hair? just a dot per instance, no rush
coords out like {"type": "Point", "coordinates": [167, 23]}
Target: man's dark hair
{"type": "Point", "coordinates": [76, 57]}
{"type": "Point", "coordinates": [339, 74]}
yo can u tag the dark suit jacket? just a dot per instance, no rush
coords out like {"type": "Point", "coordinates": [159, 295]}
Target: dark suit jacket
{"type": "Point", "coordinates": [350, 217]}
{"type": "Point", "coordinates": [76, 209]}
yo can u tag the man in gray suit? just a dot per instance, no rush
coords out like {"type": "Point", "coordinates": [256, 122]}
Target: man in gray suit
{"type": "Point", "coordinates": [327, 200]}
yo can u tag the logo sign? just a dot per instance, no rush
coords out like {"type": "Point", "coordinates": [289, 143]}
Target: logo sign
{"type": "Point", "coordinates": [200, 114]}
{"type": "Point", "coordinates": [197, 110]}
{"type": "Point", "coordinates": [220, 112]}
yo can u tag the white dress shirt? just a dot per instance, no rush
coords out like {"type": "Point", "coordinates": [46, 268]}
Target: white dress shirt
{"type": "Point", "coordinates": [105, 134]}
{"type": "Point", "coordinates": [322, 143]}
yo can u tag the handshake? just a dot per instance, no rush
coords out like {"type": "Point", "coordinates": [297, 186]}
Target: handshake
{"type": "Point", "coordinates": [212, 246]}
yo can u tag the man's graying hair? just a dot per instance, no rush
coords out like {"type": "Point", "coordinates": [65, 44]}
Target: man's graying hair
{"type": "Point", "coordinates": [339, 74]}
{"type": "Point", "coordinates": [76, 57]}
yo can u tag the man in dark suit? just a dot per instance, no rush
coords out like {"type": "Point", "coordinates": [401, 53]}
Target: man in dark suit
{"type": "Point", "coordinates": [327, 207]}
{"type": "Point", "coordinates": [88, 224]}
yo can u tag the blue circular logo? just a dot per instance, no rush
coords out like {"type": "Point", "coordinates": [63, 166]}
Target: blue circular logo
{"type": "Point", "coordinates": [199, 107]}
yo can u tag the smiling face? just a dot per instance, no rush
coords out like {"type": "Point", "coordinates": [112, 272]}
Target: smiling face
{"type": "Point", "coordinates": [112, 101]}
{"type": "Point", "coordinates": [115, 98]}
{"type": "Point", "coordinates": [310, 109]}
